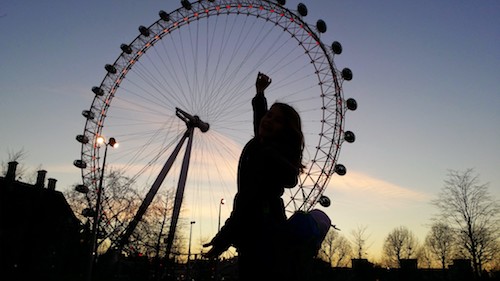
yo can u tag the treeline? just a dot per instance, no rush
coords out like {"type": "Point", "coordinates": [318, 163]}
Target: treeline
{"type": "Point", "coordinates": [467, 227]}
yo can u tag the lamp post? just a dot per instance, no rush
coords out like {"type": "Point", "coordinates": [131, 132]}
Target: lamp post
{"type": "Point", "coordinates": [222, 201]}
{"type": "Point", "coordinates": [96, 217]}
{"type": "Point", "coordinates": [189, 249]}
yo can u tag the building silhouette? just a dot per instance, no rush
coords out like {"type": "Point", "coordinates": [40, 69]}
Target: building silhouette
{"type": "Point", "coordinates": [40, 237]}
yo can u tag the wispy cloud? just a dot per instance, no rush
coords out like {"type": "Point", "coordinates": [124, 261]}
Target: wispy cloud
{"type": "Point", "coordinates": [365, 186]}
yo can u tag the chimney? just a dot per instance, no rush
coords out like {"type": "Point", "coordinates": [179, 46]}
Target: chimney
{"type": "Point", "coordinates": [52, 184]}
{"type": "Point", "coordinates": [11, 172]}
{"type": "Point", "coordinates": [40, 180]}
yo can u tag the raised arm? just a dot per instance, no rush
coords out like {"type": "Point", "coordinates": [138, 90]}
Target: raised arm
{"type": "Point", "coordinates": [259, 102]}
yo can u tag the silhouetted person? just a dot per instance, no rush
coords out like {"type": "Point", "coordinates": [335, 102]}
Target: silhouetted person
{"type": "Point", "coordinates": [270, 162]}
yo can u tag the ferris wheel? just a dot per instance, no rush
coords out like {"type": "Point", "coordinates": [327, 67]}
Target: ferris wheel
{"type": "Point", "coordinates": [199, 62]}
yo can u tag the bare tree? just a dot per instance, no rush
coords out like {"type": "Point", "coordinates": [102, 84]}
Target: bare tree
{"type": "Point", "coordinates": [149, 234]}
{"type": "Point", "coordinates": [120, 201]}
{"type": "Point", "coordinates": [359, 240]}
{"type": "Point", "coordinates": [466, 205]}
{"type": "Point", "coordinates": [425, 259]}
{"type": "Point", "coordinates": [335, 249]}
{"type": "Point", "coordinates": [439, 242]}
{"type": "Point", "coordinates": [400, 244]}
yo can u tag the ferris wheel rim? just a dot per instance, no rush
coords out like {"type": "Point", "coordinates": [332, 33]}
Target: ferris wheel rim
{"type": "Point", "coordinates": [328, 144]}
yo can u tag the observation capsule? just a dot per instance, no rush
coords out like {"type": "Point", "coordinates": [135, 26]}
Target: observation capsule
{"type": "Point", "coordinates": [80, 164]}
{"type": "Point", "coordinates": [281, 2]}
{"type": "Point", "coordinates": [336, 48]}
{"type": "Point", "coordinates": [82, 139]}
{"type": "Point", "coordinates": [109, 68]}
{"type": "Point", "coordinates": [340, 169]}
{"type": "Point", "coordinates": [98, 91]}
{"type": "Point", "coordinates": [321, 26]}
{"type": "Point", "coordinates": [186, 4]}
{"type": "Point", "coordinates": [126, 49]}
{"type": "Point", "coordinates": [144, 31]}
{"type": "Point", "coordinates": [82, 188]}
{"type": "Point", "coordinates": [302, 9]}
{"type": "Point", "coordinates": [352, 104]}
{"type": "Point", "coordinates": [324, 201]}
{"type": "Point", "coordinates": [88, 212]}
{"type": "Point", "coordinates": [88, 114]}
{"type": "Point", "coordinates": [347, 74]}
{"type": "Point", "coordinates": [164, 15]}
{"type": "Point", "coordinates": [349, 136]}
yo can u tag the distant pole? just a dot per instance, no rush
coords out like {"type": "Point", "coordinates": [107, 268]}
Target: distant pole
{"type": "Point", "coordinates": [189, 250]}
{"type": "Point", "coordinates": [158, 242]}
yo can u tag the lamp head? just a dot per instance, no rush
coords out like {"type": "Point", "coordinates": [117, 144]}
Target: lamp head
{"type": "Point", "coordinates": [100, 140]}
{"type": "Point", "coordinates": [113, 142]}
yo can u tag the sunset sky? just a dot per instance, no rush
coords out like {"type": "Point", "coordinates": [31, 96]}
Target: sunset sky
{"type": "Point", "coordinates": [426, 78]}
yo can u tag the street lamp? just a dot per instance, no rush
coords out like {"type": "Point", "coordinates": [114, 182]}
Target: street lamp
{"type": "Point", "coordinates": [95, 225]}
{"type": "Point", "coordinates": [189, 248]}
{"type": "Point", "coordinates": [222, 201]}
{"type": "Point", "coordinates": [190, 233]}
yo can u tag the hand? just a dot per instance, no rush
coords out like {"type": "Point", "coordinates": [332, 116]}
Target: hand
{"type": "Point", "coordinates": [214, 252]}
{"type": "Point", "coordinates": [263, 81]}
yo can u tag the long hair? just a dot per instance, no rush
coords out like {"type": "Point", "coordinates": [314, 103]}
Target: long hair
{"type": "Point", "coordinates": [292, 137]}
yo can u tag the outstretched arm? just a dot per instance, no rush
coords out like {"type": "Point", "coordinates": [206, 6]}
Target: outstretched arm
{"type": "Point", "coordinates": [259, 102]}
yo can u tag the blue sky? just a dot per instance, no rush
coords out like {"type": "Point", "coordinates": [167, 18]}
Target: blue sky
{"type": "Point", "coordinates": [426, 78]}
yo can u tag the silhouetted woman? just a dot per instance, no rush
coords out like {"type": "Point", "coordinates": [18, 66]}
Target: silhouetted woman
{"type": "Point", "coordinates": [270, 162]}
